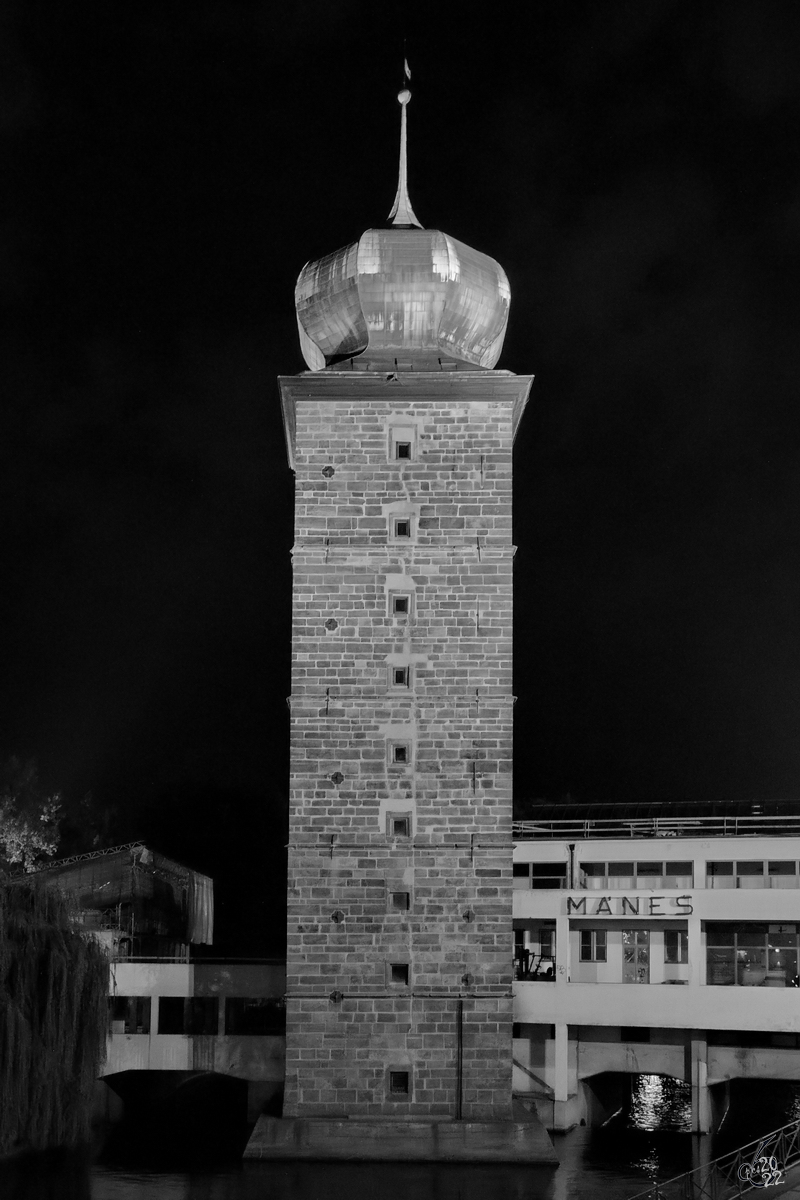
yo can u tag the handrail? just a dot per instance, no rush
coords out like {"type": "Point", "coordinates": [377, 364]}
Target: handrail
{"type": "Point", "coordinates": [736, 1173]}
{"type": "Point", "coordinates": [665, 827]}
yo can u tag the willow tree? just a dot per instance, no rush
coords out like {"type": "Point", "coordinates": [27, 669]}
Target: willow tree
{"type": "Point", "coordinates": [53, 1019]}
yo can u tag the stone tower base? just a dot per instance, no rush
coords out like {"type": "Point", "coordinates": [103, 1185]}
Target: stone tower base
{"type": "Point", "coordinates": [371, 1138]}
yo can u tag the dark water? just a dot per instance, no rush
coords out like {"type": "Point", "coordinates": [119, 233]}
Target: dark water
{"type": "Point", "coordinates": [645, 1141]}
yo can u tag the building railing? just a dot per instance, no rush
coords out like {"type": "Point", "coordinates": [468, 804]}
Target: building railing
{"type": "Point", "coordinates": [665, 827]}
{"type": "Point", "coordinates": [761, 1163]}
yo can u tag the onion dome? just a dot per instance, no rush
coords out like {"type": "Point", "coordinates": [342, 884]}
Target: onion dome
{"type": "Point", "coordinates": [403, 295]}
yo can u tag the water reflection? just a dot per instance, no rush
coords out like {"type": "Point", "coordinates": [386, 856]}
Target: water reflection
{"type": "Point", "coordinates": [46, 1177]}
{"type": "Point", "coordinates": [645, 1142]}
{"type": "Point", "coordinates": [660, 1102]}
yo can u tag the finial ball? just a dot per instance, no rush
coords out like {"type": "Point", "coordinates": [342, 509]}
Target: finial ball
{"type": "Point", "coordinates": [404, 96]}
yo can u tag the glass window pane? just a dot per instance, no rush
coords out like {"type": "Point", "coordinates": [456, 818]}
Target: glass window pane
{"type": "Point", "coordinates": [719, 868]}
{"type": "Point", "coordinates": [751, 933]}
{"type": "Point", "coordinates": [749, 868]}
{"type": "Point", "coordinates": [782, 868]}
{"type": "Point", "coordinates": [720, 933]}
{"type": "Point", "coordinates": [679, 868]}
{"type": "Point", "coordinates": [620, 868]}
{"type": "Point", "coordinates": [649, 868]}
{"type": "Point", "coordinates": [721, 966]}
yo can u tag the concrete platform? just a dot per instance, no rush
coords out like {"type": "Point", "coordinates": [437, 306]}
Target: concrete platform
{"type": "Point", "coordinates": [364, 1139]}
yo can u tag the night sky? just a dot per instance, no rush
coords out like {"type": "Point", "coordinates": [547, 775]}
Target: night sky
{"type": "Point", "coordinates": [168, 169]}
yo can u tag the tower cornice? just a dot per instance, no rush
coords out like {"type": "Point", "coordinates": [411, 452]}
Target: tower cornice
{"type": "Point", "coordinates": [457, 387]}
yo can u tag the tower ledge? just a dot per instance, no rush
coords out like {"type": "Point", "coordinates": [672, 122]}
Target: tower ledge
{"type": "Point", "coordinates": [458, 386]}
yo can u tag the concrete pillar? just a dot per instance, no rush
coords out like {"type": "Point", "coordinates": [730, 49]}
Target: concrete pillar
{"type": "Point", "coordinates": [562, 950]}
{"type": "Point", "coordinates": [701, 1104]}
{"type": "Point", "coordinates": [697, 953]}
{"type": "Point", "coordinates": [561, 1121]}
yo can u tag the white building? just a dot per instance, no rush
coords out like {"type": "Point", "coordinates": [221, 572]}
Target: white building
{"type": "Point", "coordinates": [662, 944]}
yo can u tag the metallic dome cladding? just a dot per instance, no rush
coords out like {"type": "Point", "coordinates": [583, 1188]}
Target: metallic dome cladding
{"type": "Point", "coordinates": [401, 291]}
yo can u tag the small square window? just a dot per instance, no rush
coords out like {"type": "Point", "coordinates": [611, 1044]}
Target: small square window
{"type": "Point", "coordinates": [400, 753]}
{"type": "Point", "coordinates": [402, 527]}
{"type": "Point", "coordinates": [398, 973]}
{"type": "Point", "coordinates": [400, 901]}
{"type": "Point", "coordinates": [400, 604]}
{"type": "Point", "coordinates": [400, 677]}
{"type": "Point", "coordinates": [401, 442]}
{"type": "Point", "coordinates": [399, 1083]}
{"type": "Point", "coordinates": [398, 824]}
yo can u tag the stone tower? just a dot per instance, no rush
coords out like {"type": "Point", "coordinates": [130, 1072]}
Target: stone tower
{"type": "Point", "coordinates": [400, 928]}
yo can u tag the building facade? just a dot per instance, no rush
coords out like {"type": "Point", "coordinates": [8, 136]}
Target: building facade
{"type": "Point", "coordinates": [399, 971]}
{"type": "Point", "coordinates": [608, 912]}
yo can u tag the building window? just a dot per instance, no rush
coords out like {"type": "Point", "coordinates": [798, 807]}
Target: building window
{"type": "Point", "coordinates": [593, 945]}
{"type": "Point", "coordinates": [719, 875]}
{"type": "Point", "coordinates": [678, 874]}
{"type": "Point", "coordinates": [202, 1016]}
{"type": "Point", "coordinates": [399, 1085]}
{"type": "Point", "coordinates": [170, 1014]}
{"type": "Point", "coordinates": [252, 1017]}
{"type": "Point", "coordinates": [398, 974]}
{"type": "Point", "coordinates": [751, 954]}
{"type": "Point", "coordinates": [398, 824]}
{"type": "Point", "coordinates": [676, 946]}
{"type": "Point", "coordinates": [547, 944]}
{"type": "Point", "coordinates": [400, 753]}
{"type": "Point", "coordinates": [400, 677]}
{"type": "Point", "coordinates": [546, 876]}
{"type": "Point", "coordinates": [593, 875]}
{"type": "Point", "coordinates": [402, 527]}
{"type": "Point", "coordinates": [749, 874]}
{"type": "Point", "coordinates": [782, 874]}
{"type": "Point", "coordinates": [399, 901]}
{"type": "Point", "coordinates": [129, 1014]}
{"type": "Point", "coordinates": [752, 874]}
{"type": "Point", "coordinates": [621, 876]}
{"type": "Point", "coordinates": [400, 604]}
{"type": "Point", "coordinates": [401, 442]}
{"type": "Point", "coordinates": [636, 956]}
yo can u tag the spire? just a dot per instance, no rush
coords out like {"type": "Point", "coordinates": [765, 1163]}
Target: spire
{"type": "Point", "coordinates": [402, 213]}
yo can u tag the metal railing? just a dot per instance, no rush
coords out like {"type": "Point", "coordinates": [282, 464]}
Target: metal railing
{"type": "Point", "coordinates": [663, 827]}
{"type": "Point", "coordinates": [761, 1163]}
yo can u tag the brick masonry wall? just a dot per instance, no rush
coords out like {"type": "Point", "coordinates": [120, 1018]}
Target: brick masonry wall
{"type": "Point", "coordinates": [452, 713]}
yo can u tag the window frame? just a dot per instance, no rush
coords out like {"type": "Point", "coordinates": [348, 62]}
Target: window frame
{"type": "Point", "coordinates": [594, 947]}
{"type": "Point", "coordinates": [681, 939]}
{"type": "Point", "coordinates": [399, 614]}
